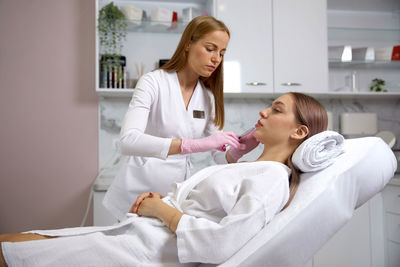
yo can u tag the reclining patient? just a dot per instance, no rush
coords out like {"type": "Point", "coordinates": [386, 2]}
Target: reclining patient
{"type": "Point", "coordinates": [206, 219]}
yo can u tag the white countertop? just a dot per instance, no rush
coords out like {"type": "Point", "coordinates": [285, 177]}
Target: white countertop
{"type": "Point", "coordinates": [395, 180]}
{"type": "Point", "coordinates": [103, 183]}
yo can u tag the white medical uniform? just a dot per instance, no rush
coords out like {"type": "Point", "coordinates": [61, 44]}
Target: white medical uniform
{"type": "Point", "coordinates": [156, 115]}
{"type": "Point", "coordinates": [224, 207]}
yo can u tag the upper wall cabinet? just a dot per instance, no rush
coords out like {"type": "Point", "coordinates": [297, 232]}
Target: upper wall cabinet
{"type": "Point", "coordinates": [248, 62]}
{"type": "Point", "coordinates": [275, 46]}
{"type": "Point", "coordinates": [300, 45]}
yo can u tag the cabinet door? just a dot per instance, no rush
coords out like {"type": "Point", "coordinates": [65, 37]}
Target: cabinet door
{"type": "Point", "coordinates": [350, 247]}
{"type": "Point", "coordinates": [300, 45]}
{"type": "Point", "coordinates": [248, 61]}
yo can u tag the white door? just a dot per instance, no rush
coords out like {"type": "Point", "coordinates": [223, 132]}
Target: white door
{"type": "Point", "coordinates": [300, 45]}
{"type": "Point", "coordinates": [248, 61]}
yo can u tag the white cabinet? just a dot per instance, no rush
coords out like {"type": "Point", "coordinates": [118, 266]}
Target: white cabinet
{"type": "Point", "coordinates": [358, 243]}
{"type": "Point", "coordinates": [370, 238]}
{"type": "Point", "coordinates": [248, 62]}
{"type": "Point", "coordinates": [275, 46]}
{"type": "Point", "coordinates": [391, 195]}
{"type": "Point", "coordinates": [300, 45]}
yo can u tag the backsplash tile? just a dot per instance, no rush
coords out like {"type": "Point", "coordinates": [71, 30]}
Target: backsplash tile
{"type": "Point", "coordinates": [242, 114]}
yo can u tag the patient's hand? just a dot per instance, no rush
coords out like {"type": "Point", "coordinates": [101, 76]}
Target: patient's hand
{"type": "Point", "coordinates": [250, 143]}
{"type": "Point", "coordinates": [155, 207]}
{"type": "Point", "coordinates": [150, 207]}
{"type": "Point", "coordinates": [143, 196]}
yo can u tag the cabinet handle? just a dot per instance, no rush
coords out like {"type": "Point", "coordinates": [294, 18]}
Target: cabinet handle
{"type": "Point", "coordinates": [291, 84]}
{"type": "Point", "coordinates": [256, 83]}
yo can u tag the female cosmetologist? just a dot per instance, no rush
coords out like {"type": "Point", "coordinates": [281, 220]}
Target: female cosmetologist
{"type": "Point", "coordinates": [172, 109]}
{"type": "Point", "coordinates": [199, 220]}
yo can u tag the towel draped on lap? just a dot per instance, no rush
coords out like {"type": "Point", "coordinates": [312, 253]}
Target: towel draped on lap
{"type": "Point", "coordinates": [318, 152]}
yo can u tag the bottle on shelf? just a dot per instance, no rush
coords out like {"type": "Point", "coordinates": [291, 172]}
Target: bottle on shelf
{"type": "Point", "coordinates": [112, 71]}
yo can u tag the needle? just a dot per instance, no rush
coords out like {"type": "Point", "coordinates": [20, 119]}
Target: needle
{"type": "Point", "coordinates": [247, 132]}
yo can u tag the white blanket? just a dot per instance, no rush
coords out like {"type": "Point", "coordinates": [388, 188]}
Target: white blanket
{"type": "Point", "coordinates": [219, 202]}
{"type": "Point", "coordinates": [318, 152]}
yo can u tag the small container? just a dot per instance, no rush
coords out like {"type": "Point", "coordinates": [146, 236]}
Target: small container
{"type": "Point", "coordinates": [383, 53]}
{"type": "Point", "coordinates": [340, 53]}
{"type": "Point", "coordinates": [358, 124]}
{"type": "Point", "coordinates": [161, 16]}
{"type": "Point", "coordinates": [162, 62]}
{"type": "Point", "coordinates": [190, 13]}
{"type": "Point", "coordinates": [132, 13]}
{"type": "Point", "coordinates": [363, 53]}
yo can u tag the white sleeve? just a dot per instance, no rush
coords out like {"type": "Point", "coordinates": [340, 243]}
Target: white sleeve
{"type": "Point", "coordinates": [133, 141]}
{"type": "Point", "coordinates": [202, 240]}
{"type": "Point", "coordinates": [218, 156]}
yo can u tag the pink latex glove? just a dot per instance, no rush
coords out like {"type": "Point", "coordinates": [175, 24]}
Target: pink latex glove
{"type": "Point", "coordinates": [250, 143]}
{"type": "Point", "coordinates": [215, 141]}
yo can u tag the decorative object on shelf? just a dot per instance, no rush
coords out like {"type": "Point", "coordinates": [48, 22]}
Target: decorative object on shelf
{"type": "Point", "coordinates": [161, 16]}
{"type": "Point", "coordinates": [133, 14]}
{"type": "Point", "coordinates": [377, 85]}
{"type": "Point", "coordinates": [387, 53]}
{"type": "Point", "coordinates": [162, 62]}
{"type": "Point", "coordinates": [112, 28]}
{"type": "Point", "coordinates": [396, 52]}
{"type": "Point", "coordinates": [363, 54]}
{"type": "Point", "coordinates": [341, 53]}
{"type": "Point", "coordinates": [112, 71]}
{"type": "Point", "coordinates": [190, 13]}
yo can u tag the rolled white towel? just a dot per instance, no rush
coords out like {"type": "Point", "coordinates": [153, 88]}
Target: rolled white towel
{"type": "Point", "coordinates": [318, 152]}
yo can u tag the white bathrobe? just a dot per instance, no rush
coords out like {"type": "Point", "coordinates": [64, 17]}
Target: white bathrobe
{"type": "Point", "coordinates": [224, 205]}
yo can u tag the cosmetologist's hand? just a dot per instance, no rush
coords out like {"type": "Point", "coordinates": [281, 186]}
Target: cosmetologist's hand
{"type": "Point", "coordinates": [214, 141]}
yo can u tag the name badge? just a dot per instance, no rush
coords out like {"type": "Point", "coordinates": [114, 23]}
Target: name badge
{"type": "Point", "coordinates": [198, 114]}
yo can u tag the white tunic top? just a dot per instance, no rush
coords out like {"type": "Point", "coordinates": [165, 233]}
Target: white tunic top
{"type": "Point", "coordinates": [224, 205]}
{"type": "Point", "coordinates": [155, 116]}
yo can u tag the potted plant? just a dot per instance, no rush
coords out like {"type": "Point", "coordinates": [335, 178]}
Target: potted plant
{"type": "Point", "coordinates": [377, 85]}
{"type": "Point", "coordinates": [112, 29]}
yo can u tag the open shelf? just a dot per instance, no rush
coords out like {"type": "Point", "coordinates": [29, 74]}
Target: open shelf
{"type": "Point", "coordinates": [117, 93]}
{"type": "Point", "coordinates": [366, 34]}
{"type": "Point", "coordinates": [368, 64]}
{"type": "Point", "coordinates": [155, 26]}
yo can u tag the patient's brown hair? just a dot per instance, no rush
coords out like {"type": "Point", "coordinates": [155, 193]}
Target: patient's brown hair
{"type": "Point", "coordinates": [311, 113]}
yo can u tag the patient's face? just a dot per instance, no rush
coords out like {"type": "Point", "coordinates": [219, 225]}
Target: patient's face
{"type": "Point", "coordinates": [277, 122]}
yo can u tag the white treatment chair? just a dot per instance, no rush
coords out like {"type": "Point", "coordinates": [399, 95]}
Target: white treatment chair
{"type": "Point", "coordinates": [324, 202]}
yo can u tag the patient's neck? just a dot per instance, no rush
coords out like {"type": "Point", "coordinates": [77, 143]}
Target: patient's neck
{"type": "Point", "coordinates": [279, 153]}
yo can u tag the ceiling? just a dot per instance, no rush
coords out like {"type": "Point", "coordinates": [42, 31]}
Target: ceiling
{"type": "Point", "coordinates": [365, 5]}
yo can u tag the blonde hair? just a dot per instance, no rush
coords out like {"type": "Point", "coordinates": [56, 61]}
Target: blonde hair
{"type": "Point", "coordinates": [311, 113]}
{"type": "Point", "coordinates": [193, 32]}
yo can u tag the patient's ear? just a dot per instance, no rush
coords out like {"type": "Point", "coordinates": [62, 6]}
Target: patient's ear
{"type": "Point", "coordinates": [301, 132]}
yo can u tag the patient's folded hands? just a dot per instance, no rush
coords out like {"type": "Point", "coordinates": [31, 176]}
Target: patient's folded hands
{"type": "Point", "coordinates": [149, 204]}
{"type": "Point", "coordinates": [142, 197]}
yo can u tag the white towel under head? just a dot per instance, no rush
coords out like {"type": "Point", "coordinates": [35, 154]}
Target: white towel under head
{"type": "Point", "coordinates": [318, 152]}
